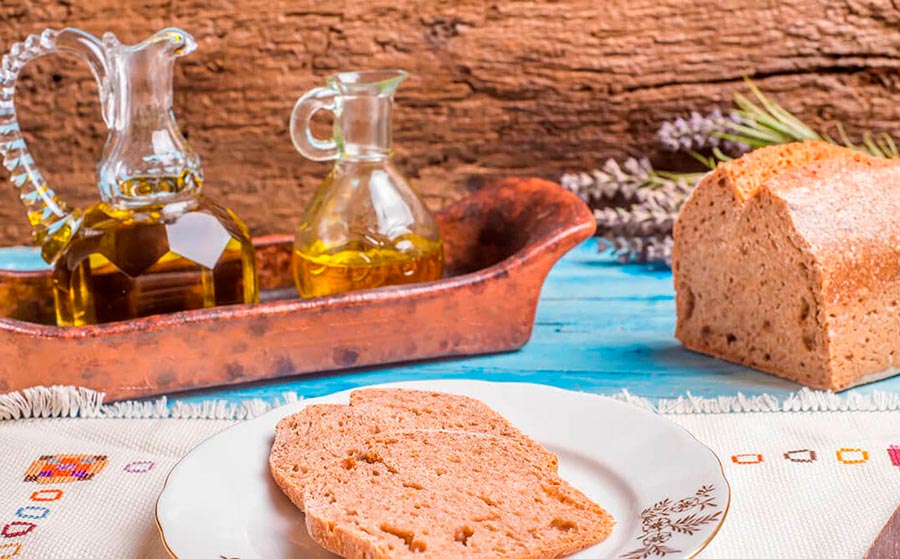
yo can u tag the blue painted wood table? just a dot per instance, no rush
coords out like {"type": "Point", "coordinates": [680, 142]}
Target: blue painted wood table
{"type": "Point", "coordinates": [601, 327]}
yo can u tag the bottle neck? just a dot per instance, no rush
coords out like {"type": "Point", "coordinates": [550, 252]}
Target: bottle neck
{"type": "Point", "coordinates": [363, 127]}
{"type": "Point", "coordinates": [143, 91]}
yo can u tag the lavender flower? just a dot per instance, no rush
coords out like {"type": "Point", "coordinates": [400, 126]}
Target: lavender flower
{"type": "Point", "coordinates": [642, 250]}
{"type": "Point", "coordinates": [635, 207]}
{"type": "Point", "coordinates": [699, 133]}
{"type": "Point", "coordinates": [633, 181]}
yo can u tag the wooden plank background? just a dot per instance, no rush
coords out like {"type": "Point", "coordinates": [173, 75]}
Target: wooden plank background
{"type": "Point", "coordinates": [511, 87]}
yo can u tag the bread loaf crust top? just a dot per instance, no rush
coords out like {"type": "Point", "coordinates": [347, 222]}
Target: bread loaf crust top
{"type": "Point", "coordinates": [842, 204]}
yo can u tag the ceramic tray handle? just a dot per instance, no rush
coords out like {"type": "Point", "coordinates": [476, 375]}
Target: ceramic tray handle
{"type": "Point", "coordinates": [49, 216]}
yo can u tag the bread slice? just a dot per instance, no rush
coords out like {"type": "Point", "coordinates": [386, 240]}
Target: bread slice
{"type": "Point", "coordinates": [309, 440]}
{"type": "Point", "coordinates": [313, 437]}
{"type": "Point", "coordinates": [448, 494]}
{"type": "Point", "coordinates": [788, 260]}
{"type": "Point", "coordinates": [415, 409]}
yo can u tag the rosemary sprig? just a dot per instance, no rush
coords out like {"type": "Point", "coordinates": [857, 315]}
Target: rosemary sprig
{"type": "Point", "coordinates": [762, 122]}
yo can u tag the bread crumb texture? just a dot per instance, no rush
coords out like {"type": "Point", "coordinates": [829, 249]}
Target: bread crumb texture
{"type": "Point", "coordinates": [310, 439]}
{"type": "Point", "coordinates": [449, 494]}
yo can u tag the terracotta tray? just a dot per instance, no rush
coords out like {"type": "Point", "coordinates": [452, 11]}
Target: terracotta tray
{"type": "Point", "coordinates": [500, 243]}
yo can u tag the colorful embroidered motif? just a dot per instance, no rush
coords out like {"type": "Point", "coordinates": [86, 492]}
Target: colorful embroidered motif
{"type": "Point", "coordinates": [139, 467]}
{"type": "Point", "coordinates": [32, 512]}
{"type": "Point", "coordinates": [659, 522]}
{"type": "Point", "coordinates": [61, 468]}
{"type": "Point", "coordinates": [843, 455]}
{"type": "Point", "coordinates": [747, 458]}
{"type": "Point", "coordinates": [804, 455]}
{"type": "Point", "coordinates": [894, 455]}
{"type": "Point", "coordinates": [16, 529]}
{"type": "Point", "coordinates": [8, 550]}
{"type": "Point", "coordinates": [857, 456]}
{"type": "Point", "coordinates": [47, 495]}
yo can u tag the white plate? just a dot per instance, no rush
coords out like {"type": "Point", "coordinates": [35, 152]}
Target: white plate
{"type": "Point", "coordinates": [666, 491]}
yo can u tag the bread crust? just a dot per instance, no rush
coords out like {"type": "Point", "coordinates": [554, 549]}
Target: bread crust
{"type": "Point", "coordinates": [779, 264]}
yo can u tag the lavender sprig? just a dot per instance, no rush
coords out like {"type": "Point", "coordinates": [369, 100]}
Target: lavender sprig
{"type": "Point", "coordinates": [642, 250]}
{"type": "Point", "coordinates": [633, 181]}
{"type": "Point", "coordinates": [635, 206]}
{"type": "Point", "coordinates": [702, 133]}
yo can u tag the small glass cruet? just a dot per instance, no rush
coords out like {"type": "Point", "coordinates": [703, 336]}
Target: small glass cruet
{"type": "Point", "coordinates": [365, 226]}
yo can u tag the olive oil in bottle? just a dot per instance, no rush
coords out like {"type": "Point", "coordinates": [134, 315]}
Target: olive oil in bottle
{"type": "Point", "coordinates": [123, 264]}
{"type": "Point", "coordinates": [365, 227]}
{"type": "Point", "coordinates": [412, 259]}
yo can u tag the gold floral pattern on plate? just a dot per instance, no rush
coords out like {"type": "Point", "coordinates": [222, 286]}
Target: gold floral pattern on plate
{"type": "Point", "coordinates": [667, 517]}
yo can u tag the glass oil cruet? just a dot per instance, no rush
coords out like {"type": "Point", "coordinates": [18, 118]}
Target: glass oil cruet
{"type": "Point", "coordinates": [153, 244]}
{"type": "Point", "coordinates": [365, 226]}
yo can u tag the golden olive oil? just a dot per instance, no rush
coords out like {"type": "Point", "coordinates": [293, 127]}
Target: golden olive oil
{"type": "Point", "coordinates": [409, 259]}
{"type": "Point", "coordinates": [122, 263]}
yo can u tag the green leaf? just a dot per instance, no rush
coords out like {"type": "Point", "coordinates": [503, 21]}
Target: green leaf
{"type": "Point", "coordinates": [889, 146]}
{"type": "Point", "coordinates": [751, 112]}
{"type": "Point", "coordinates": [687, 178]}
{"type": "Point", "coordinates": [718, 154]}
{"type": "Point", "coordinates": [800, 130]}
{"type": "Point", "coordinates": [708, 162]}
{"type": "Point", "coordinates": [871, 146]}
{"type": "Point", "coordinates": [752, 142]}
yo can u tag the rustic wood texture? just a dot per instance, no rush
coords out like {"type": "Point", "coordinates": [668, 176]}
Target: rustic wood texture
{"type": "Point", "coordinates": [522, 87]}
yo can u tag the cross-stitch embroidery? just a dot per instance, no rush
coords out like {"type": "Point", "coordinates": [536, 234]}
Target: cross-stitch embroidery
{"type": "Point", "coordinates": [32, 512]}
{"type": "Point", "coordinates": [8, 550]}
{"type": "Point", "coordinates": [44, 495]}
{"type": "Point", "coordinates": [16, 529]}
{"type": "Point", "coordinates": [804, 455]}
{"type": "Point", "coordinates": [139, 467]}
{"type": "Point", "coordinates": [61, 468]}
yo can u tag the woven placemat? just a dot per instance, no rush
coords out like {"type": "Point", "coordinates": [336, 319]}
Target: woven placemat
{"type": "Point", "coordinates": [806, 484]}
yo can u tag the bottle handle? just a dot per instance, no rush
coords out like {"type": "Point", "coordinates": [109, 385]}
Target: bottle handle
{"type": "Point", "coordinates": [46, 212]}
{"type": "Point", "coordinates": [320, 98]}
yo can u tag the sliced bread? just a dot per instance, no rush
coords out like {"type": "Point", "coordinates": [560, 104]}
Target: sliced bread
{"type": "Point", "coordinates": [442, 494]}
{"type": "Point", "coordinates": [311, 439]}
{"type": "Point", "coordinates": [421, 409]}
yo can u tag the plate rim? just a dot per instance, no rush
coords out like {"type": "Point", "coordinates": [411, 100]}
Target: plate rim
{"type": "Point", "coordinates": [412, 384]}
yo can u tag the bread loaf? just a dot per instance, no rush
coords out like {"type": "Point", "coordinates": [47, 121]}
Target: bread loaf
{"type": "Point", "coordinates": [449, 494]}
{"type": "Point", "coordinates": [788, 260]}
{"type": "Point", "coordinates": [309, 440]}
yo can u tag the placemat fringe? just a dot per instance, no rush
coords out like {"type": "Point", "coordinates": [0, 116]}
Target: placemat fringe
{"type": "Point", "coordinates": [73, 401]}
{"type": "Point", "coordinates": [803, 400]}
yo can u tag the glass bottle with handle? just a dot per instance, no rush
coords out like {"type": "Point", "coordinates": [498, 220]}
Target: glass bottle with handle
{"type": "Point", "coordinates": [153, 244]}
{"type": "Point", "coordinates": [365, 226]}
